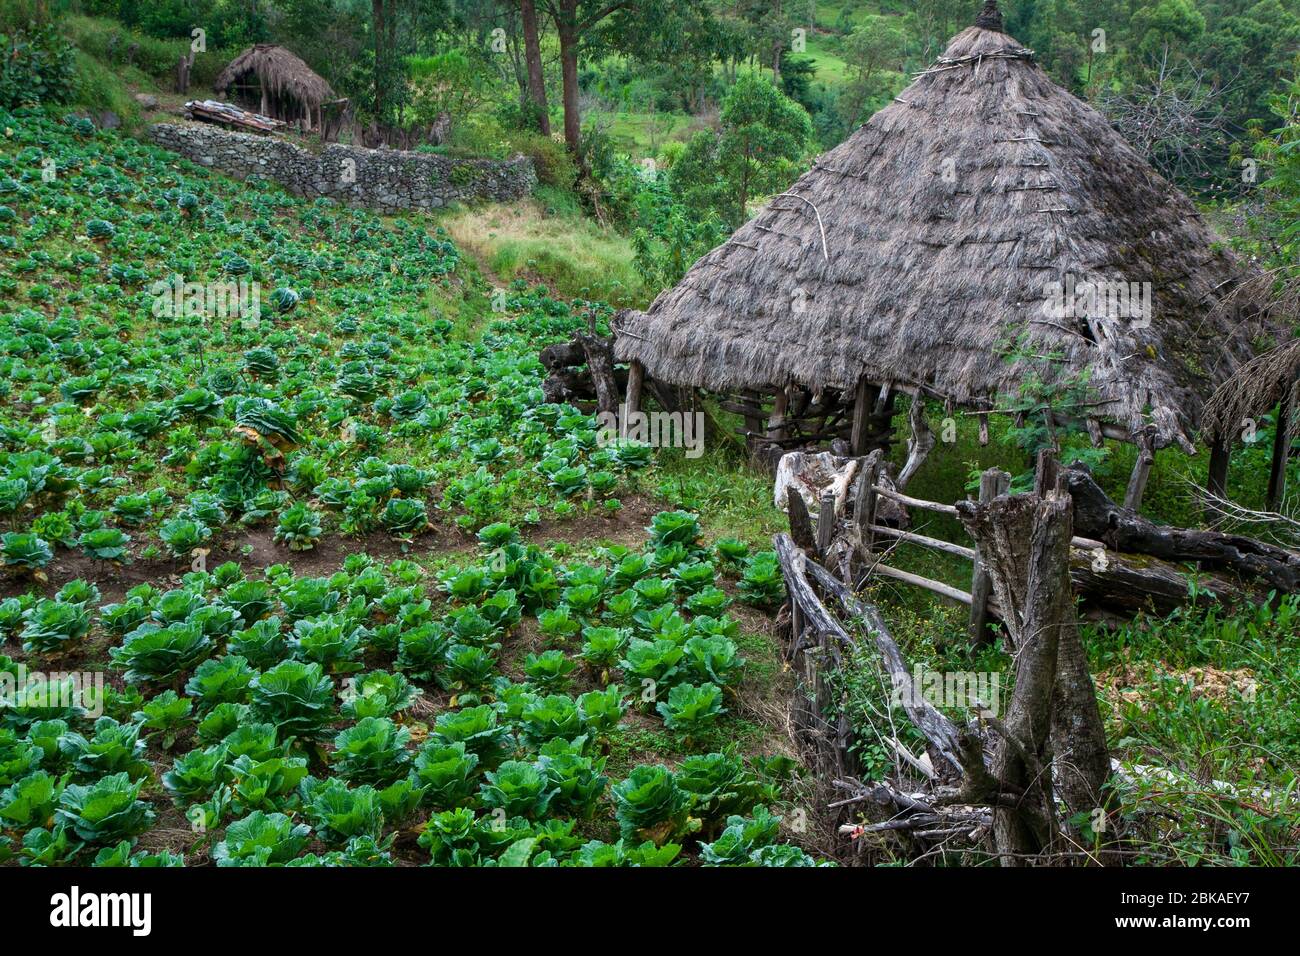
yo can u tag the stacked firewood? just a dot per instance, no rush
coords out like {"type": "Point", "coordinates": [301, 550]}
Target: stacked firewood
{"type": "Point", "coordinates": [227, 114]}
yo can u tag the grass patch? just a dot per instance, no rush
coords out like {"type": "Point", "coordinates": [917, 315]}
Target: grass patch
{"type": "Point", "coordinates": [830, 68]}
{"type": "Point", "coordinates": [642, 134]}
{"type": "Point", "coordinates": [546, 239]}
{"type": "Point", "coordinates": [101, 88]}
{"type": "Point", "coordinates": [733, 500]}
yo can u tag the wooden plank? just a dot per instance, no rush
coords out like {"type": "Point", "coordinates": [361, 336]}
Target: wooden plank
{"type": "Point", "coordinates": [938, 587]}
{"type": "Point", "coordinates": [825, 524]}
{"type": "Point", "coordinates": [214, 111]}
{"type": "Point", "coordinates": [801, 529]}
{"type": "Point", "coordinates": [864, 509]}
{"type": "Point", "coordinates": [748, 410]}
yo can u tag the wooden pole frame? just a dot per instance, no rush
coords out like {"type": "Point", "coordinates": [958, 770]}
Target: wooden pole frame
{"type": "Point", "coordinates": [1282, 435]}
{"type": "Point", "coordinates": [861, 415]}
{"type": "Point", "coordinates": [776, 421]}
{"type": "Point", "coordinates": [1217, 479]}
{"type": "Point", "coordinates": [635, 382]}
{"type": "Point", "coordinates": [993, 483]}
{"type": "Point", "coordinates": [1137, 481]}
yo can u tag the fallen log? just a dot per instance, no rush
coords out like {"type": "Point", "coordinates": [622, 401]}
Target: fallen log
{"type": "Point", "coordinates": [1129, 583]}
{"type": "Point", "coordinates": [1097, 516]}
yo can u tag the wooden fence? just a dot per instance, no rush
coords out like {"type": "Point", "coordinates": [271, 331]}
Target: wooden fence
{"type": "Point", "coordinates": [1137, 566]}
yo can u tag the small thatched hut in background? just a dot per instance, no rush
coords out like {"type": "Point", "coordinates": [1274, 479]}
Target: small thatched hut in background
{"type": "Point", "coordinates": [276, 83]}
{"type": "Point", "coordinates": [915, 255]}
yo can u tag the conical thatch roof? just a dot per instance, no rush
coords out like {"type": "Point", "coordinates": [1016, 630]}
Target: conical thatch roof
{"type": "Point", "coordinates": [916, 251]}
{"type": "Point", "coordinates": [280, 73]}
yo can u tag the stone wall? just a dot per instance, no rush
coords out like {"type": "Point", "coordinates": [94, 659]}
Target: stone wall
{"type": "Point", "coordinates": [382, 179]}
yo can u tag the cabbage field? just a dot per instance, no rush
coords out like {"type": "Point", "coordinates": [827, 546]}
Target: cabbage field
{"type": "Point", "coordinates": [332, 584]}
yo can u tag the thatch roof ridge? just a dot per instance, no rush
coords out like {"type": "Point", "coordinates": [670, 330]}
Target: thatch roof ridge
{"type": "Point", "coordinates": [281, 72]}
{"type": "Point", "coordinates": [945, 217]}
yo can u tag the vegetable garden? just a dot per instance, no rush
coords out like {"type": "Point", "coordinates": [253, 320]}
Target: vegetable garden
{"type": "Point", "coordinates": [306, 553]}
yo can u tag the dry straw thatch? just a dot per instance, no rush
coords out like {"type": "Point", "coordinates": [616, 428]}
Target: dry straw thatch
{"type": "Point", "coordinates": [914, 252]}
{"type": "Point", "coordinates": [289, 86]}
{"type": "Point", "coordinates": [1253, 391]}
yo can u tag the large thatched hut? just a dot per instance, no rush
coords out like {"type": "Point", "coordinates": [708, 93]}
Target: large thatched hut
{"type": "Point", "coordinates": [276, 83]}
{"type": "Point", "coordinates": [983, 220]}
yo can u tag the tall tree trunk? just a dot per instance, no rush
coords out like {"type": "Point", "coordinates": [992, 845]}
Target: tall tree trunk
{"type": "Point", "coordinates": [1025, 542]}
{"type": "Point", "coordinates": [1031, 579]}
{"type": "Point", "coordinates": [533, 56]}
{"type": "Point", "coordinates": [381, 36]}
{"type": "Point", "coordinates": [778, 42]}
{"type": "Point", "coordinates": [567, 27]}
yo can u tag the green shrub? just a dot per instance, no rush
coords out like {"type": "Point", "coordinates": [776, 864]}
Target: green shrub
{"type": "Point", "coordinates": [36, 66]}
{"type": "Point", "coordinates": [554, 165]}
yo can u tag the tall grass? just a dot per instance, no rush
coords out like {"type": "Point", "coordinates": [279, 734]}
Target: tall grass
{"type": "Point", "coordinates": [547, 239]}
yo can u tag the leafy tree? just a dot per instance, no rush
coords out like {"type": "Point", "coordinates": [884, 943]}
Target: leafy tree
{"type": "Point", "coordinates": [447, 85]}
{"type": "Point", "coordinates": [878, 44]}
{"type": "Point", "coordinates": [36, 66]}
{"type": "Point", "coordinates": [1273, 218]}
{"type": "Point", "coordinates": [1168, 23]}
{"type": "Point", "coordinates": [593, 25]}
{"type": "Point", "coordinates": [764, 134]}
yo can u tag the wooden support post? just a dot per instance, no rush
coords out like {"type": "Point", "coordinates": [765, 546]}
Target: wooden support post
{"type": "Point", "coordinates": [754, 424]}
{"type": "Point", "coordinates": [801, 530]}
{"type": "Point", "coordinates": [1045, 472]}
{"type": "Point", "coordinates": [635, 380]}
{"type": "Point", "coordinates": [825, 524]}
{"type": "Point", "coordinates": [864, 512]}
{"type": "Point", "coordinates": [776, 421]}
{"type": "Point", "coordinates": [993, 482]}
{"type": "Point", "coordinates": [1217, 481]}
{"type": "Point", "coordinates": [884, 399]}
{"type": "Point", "coordinates": [1281, 448]}
{"type": "Point", "coordinates": [1137, 481]}
{"type": "Point", "coordinates": [858, 441]}
{"type": "Point", "coordinates": [183, 67]}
